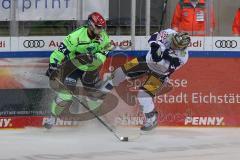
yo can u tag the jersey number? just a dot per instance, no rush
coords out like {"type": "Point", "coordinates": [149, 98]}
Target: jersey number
{"type": "Point", "coordinates": [62, 48]}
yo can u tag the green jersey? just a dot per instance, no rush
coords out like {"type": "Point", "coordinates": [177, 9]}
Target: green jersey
{"type": "Point", "coordinates": [78, 42]}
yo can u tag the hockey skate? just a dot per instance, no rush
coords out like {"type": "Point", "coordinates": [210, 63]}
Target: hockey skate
{"type": "Point", "coordinates": [151, 121]}
{"type": "Point", "coordinates": [50, 122]}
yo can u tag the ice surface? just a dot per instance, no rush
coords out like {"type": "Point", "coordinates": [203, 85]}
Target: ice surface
{"type": "Point", "coordinates": [92, 141]}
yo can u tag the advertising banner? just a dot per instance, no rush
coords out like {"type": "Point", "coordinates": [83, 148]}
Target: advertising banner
{"type": "Point", "coordinates": [205, 92]}
{"type": "Point", "coordinates": [40, 10]}
{"type": "Point", "coordinates": [20, 122]}
{"type": "Point", "coordinates": [46, 10]}
{"type": "Point", "coordinates": [49, 43]}
{"type": "Point", "coordinates": [5, 6]}
{"type": "Point", "coordinates": [226, 44]}
{"type": "Point", "coordinates": [32, 121]}
{"type": "Point", "coordinates": [39, 43]}
{"type": "Point", "coordinates": [52, 9]}
{"type": "Point", "coordinates": [4, 44]}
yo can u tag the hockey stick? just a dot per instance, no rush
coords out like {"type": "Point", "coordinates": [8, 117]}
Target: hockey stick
{"type": "Point", "coordinates": [121, 138]}
{"type": "Point", "coordinates": [163, 13]}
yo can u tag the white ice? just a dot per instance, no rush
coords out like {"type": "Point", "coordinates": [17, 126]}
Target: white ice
{"type": "Point", "coordinates": [94, 142]}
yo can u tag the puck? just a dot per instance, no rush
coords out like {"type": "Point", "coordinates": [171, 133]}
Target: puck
{"type": "Point", "coordinates": [124, 139]}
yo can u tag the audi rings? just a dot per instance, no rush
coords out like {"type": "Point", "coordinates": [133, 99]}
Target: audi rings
{"type": "Point", "coordinates": [226, 44]}
{"type": "Point", "coordinates": [34, 43]}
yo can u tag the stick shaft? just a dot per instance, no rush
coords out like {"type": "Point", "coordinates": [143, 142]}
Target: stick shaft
{"type": "Point", "coordinates": [86, 107]}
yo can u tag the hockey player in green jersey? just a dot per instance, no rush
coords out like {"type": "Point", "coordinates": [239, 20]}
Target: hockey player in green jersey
{"type": "Point", "coordinates": [79, 56]}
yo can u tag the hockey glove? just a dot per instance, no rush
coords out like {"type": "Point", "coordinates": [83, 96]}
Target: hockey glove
{"type": "Point", "coordinates": [174, 61]}
{"type": "Point", "coordinates": [53, 71]}
{"type": "Point", "coordinates": [85, 58]}
{"type": "Point", "coordinates": [155, 52]}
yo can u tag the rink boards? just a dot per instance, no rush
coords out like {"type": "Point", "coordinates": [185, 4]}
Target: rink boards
{"type": "Point", "coordinates": [206, 91]}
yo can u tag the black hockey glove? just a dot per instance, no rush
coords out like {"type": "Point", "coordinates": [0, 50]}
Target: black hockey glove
{"type": "Point", "coordinates": [53, 71]}
{"type": "Point", "coordinates": [156, 55]}
{"type": "Point", "coordinates": [174, 61]}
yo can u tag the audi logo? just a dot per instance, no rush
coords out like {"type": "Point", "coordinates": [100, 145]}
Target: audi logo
{"type": "Point", "coordinates": [33, 43]}
{"type": "Point", "coordinates": [226, 44]}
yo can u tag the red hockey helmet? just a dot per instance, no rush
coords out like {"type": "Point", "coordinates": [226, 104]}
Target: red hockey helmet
{"type": "Point", "coordinates": [97, 22]}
